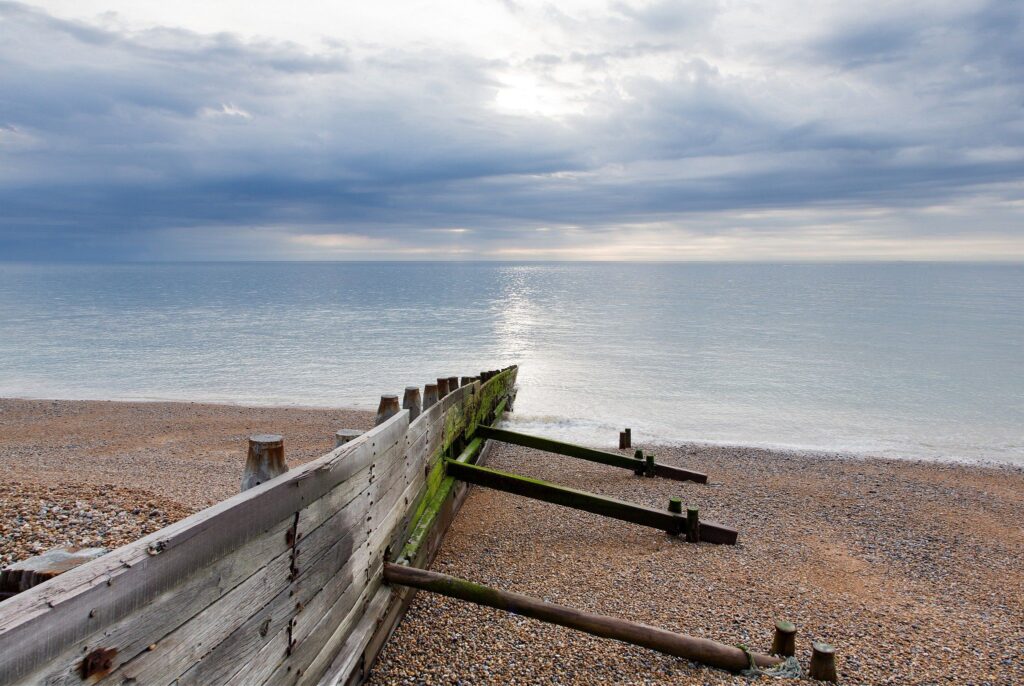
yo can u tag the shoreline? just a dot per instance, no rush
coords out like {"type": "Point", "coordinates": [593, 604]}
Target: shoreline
{"type": "Point", "coordinates": [654, 442]}
{"type": "Point", "coordinates": [911, 568]}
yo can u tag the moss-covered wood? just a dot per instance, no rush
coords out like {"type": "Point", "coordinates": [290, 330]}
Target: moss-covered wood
{"type": "Point", "coordinates": [697, 649]}
{"type": "Point", "coordinates": [590, 454]}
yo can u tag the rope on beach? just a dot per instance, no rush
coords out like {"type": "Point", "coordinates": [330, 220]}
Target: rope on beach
{"type": "Point", "coordinates": [790, 669]}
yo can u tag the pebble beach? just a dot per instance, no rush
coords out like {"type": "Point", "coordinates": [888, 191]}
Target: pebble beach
{"type": "Point", "coordinates": [912, 570]}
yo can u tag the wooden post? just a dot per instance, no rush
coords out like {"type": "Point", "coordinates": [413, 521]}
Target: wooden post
{"type": "Point", "coordinates": [638, 458]}
{"type": "Point", "coordinates": [430, 395]}
{"type": "Point", "coordinates": [411, 401]}
{"type": "Point", "coordinates": [466, 380]}
{"type": "Point", "coordinates": [453, 383]}
{"type": "Point", "coordinates": [442, 387]}
{"type": "Point", "coordinates": [623, 443]}
{"type": "Point", "coordinates": [264, 461]}
{"type": "Point", "coordinates": [784, 643]}
{"type": "Point", "coordinates": [675, 505]}
{"type": "Point", "coordinates": [692, 525]}
{"type": "Point", "coordinates": [343, 436]}
{"type": "Point", "coordinates": [387, 408]}
{"type": "Point", "coordinates": [697, 649]}
{"type": "Point", "coordinates": [649, 470]}
{"type": "Point", "coordinates": [582, 500]}
{"type": "Point", "coordinates": [629, 437]}
{"type": "Point", "coordinates": [823, 662]}
{"type": "Point", "coordinates": [584, 453]}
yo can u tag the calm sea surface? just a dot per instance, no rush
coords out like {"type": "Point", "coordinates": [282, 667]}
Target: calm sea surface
{"type": "Point", "coordinates": [914, 360]}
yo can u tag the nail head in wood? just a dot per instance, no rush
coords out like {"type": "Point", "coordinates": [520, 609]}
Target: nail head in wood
{"type": "Point", "coordinates": [264, 461]}
{"type": "Point", "coordinates": [784, 642]}
{"type": "Point", "coordinates": [387, 408]}
{"type": "Point", "coordinates": [823, 662]}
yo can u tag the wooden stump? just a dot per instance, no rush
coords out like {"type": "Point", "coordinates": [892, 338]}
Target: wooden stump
{"type": "Point", "coordinates": [442, 387]}
{"type": "Point", "coordinates": [823, 662]}
{"type": "Point", "coordinates": [692, 525]}
{"type": "Point", "coordinates": [453, 383]}
{"type": "Point", "coordinates": [411, 401]}
{"type": "Point", "coordinates": [649, 467]}
{"type": "Point", "coordinates": [675, 505]}
{"type": "Point", "coordinates": [264, 461]}
{"type": "Point", "coordinates": [343, 436]}
{"type": "Point", "coordinates": [466, 380]}
{"type": "Point", "coordinates": [430, 395]}
{"type": "Point", "coordinates": [784, 643]}
{"type": "Point", "coordinates": [387, 408]}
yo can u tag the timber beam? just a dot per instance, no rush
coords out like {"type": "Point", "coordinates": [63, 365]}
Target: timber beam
{"type": "Point", "coordinates": [699, 650]}
{"type": "Point", "coordinates": [590, 454]}
{"type": "Point", "coordinates": [589, 502]}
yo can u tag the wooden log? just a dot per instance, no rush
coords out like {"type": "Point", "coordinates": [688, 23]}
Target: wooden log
{"type": "Point", "coordinates": [675, 505]}
{"type": "Point", "coordinates": [699, 650]}
{"type": "Point", "coordinates": [590, 454]}
{"type": "Point", "coordinates": [784, 642]}
{"type": "Point", "coordinates": [264, 461]}
{"type": "Point", "coordinates": [387, 408]}
{"type": "Point", "coordinates": [442, 387]}
{"type": "Point", "coordinates": [343, 436]}
{"type": "Point", "coordinates": [823, 662]}
{"type": "Point", "coordinates": [430, 395]}
{"type": "Point", "coordinates": [582, 500]}
{"type": "Point", "coordinates": [693, 525]}
{"type": "Point", "coordinates": [411, 401]}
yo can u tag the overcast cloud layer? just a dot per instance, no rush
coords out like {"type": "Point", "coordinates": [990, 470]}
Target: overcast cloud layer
{"type": "Point", "coordinates": [666, 130]}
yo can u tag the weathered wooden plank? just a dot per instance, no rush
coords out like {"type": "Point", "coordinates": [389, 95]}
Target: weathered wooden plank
{"type": "Point", "coordinates": [258, 669]}
{"type": "Point", "coordinates": [316, 623]}
{"type": "Point", "coordinates": [38, 625]}
{"type": "Point", "coordinates": [582, 500]}
{"type": "Point", "coordinates": [352, 655]}
{"type": "Point", "coordinates": [322, 556]}
{"type": "Point", "coordinates": [590, 454]}
{"type": "Point", "coordinates": [171, 655]}
{"type": "Point", "coordinates": [133, 634]}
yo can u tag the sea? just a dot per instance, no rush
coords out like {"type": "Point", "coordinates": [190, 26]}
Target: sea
{"type": "Point", "coordinates": [906, 360]}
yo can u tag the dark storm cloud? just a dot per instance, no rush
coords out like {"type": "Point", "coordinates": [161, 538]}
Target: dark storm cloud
{"type": "Point", "coordinates": [110, 137]}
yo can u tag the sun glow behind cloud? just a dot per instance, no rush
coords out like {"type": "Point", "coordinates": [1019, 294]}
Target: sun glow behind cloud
{"type": "Point", "coordinates": [526, 130]}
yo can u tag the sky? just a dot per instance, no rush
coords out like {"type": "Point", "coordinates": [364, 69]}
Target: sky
{"type": "Point", "coordinates": [509, 130]}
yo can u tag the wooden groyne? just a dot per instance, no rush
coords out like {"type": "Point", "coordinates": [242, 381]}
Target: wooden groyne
{"type": "Point", "coordinates": [298, 579]}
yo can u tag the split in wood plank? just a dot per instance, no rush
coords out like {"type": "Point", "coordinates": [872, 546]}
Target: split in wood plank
{"type": "Point", "coordinates": [589, 502]}
{"type": "Point", "coordinates": [700, 650]}
{"type": "Point", "coordinates": [590, 454]}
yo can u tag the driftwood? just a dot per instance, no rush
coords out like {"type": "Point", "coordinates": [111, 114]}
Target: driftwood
{"type": "Point", "coordinates": [697, 649]}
